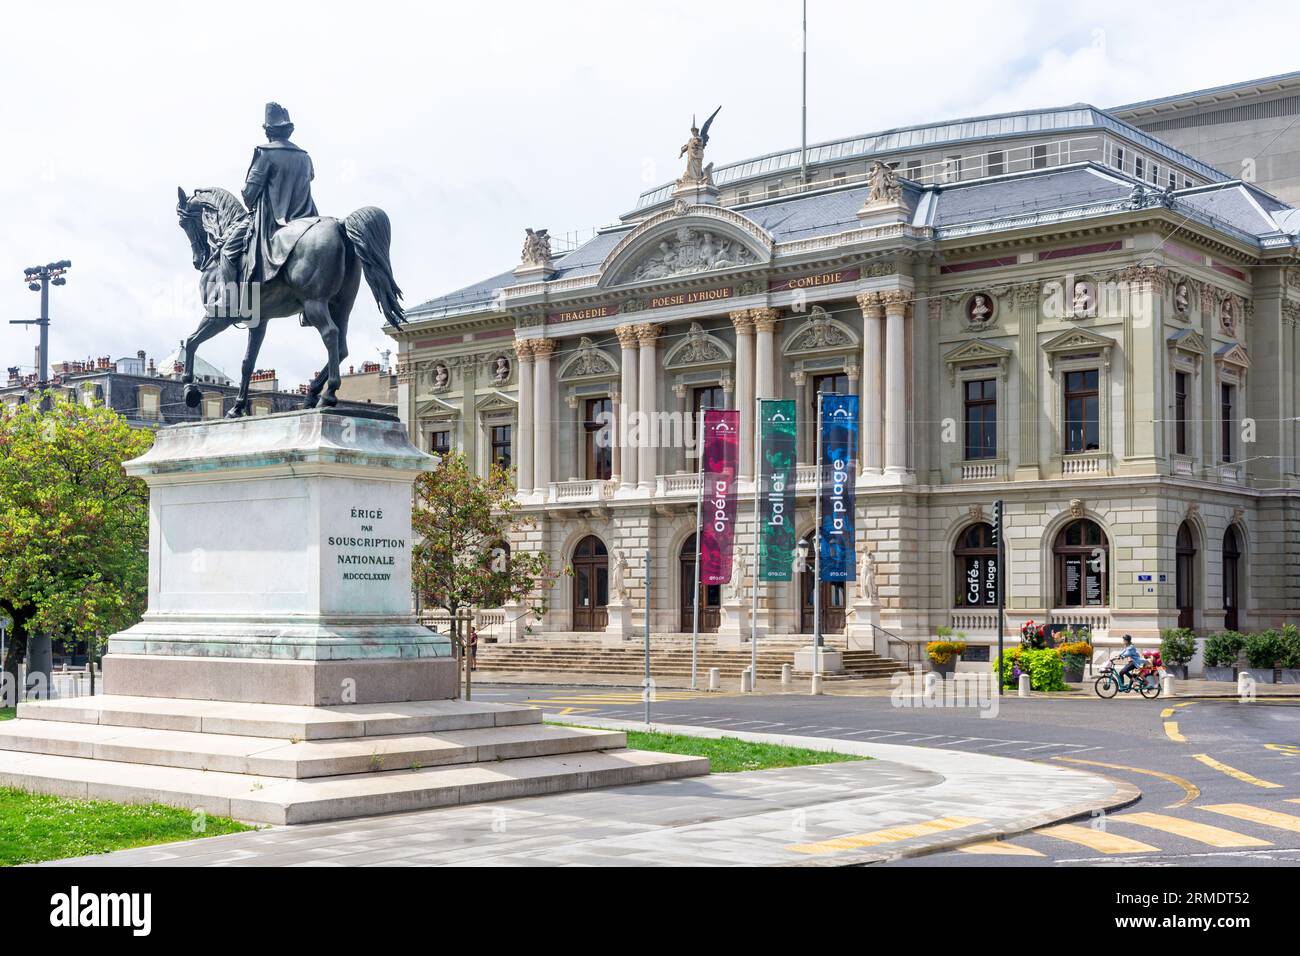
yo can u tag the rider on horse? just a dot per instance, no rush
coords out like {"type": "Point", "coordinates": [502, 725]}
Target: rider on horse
{"type": "Point", "coordinates": [277, 190]}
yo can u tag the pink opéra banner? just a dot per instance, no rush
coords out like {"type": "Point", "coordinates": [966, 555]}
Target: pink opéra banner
{"type": "Point", "coordinates": [718, 520]}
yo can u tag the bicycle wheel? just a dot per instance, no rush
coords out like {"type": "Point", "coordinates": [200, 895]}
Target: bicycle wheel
{"type": "Point", "coordinates": [1105, 686]}
{"type": "Point", "coordinates": [1150, 692]}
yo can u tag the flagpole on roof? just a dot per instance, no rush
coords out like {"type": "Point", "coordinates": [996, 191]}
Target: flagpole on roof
{"type": "Point", "coordinates": [803, 141]}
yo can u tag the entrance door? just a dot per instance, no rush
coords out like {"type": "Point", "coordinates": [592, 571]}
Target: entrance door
{"type": "Point", "coordinates": [590, 585]}
{"type": "Point", "coordinates": [1231, 579]}
{"type": "Point", "coordinates": [1185, 576]}
{"type": "Point", "coordinates": [711, 608]}
{"type": "Point", "coordinates": [833, 598]}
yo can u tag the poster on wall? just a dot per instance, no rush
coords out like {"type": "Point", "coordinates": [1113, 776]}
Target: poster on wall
{"type": "Point", "coordinates": [776, 538]}
{"type": "Point", "coordinates": [718, 510]}
{"type": "Point", "coordinates": [839, 467]}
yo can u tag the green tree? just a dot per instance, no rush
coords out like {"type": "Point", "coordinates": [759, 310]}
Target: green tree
{"type": "Point", "coordinates": [74, 529]}
{"type": "Point", "coordinates": [460, 561]}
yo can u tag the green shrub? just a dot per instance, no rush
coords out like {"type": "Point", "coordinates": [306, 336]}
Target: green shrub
{"type": "Point", "coordinates": [1290, 647]}
{"type": "Point", "coordinates": [1221, 650]}
{"type": "Point", "coordinates": [1177, 645]}
{"type": "Point", "coordinates": [1264, 649]}
{"type": "Point", "coordinates": [1044, 667]}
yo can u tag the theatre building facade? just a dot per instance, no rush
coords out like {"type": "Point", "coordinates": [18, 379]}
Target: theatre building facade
{"type": "Point", "coordinates": [1054, 309]}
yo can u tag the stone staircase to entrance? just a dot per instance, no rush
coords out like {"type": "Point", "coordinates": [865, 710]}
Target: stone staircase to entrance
{"type": "Point", "coordinates": [579, 659]}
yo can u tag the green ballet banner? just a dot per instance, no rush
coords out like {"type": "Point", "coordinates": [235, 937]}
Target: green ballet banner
{"type": "Point", "coordinates": [776, 540]}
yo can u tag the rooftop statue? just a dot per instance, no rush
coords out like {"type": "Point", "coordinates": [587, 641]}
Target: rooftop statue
{"type": "Point", "coordinates": [696, 172]}
{"type": "Point", "coordinates": [537, 248]}
{"type": "Point", "coordinates": [277, 257]}
{"type": "Point", "coordinates": [883, 182]}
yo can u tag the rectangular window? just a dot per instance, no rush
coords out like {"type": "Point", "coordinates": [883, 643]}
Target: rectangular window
{"type": "Point", "coordinates": [1228, 414]}
{"type": "Point", "coordinates": [1180, 413]}
{"type": "Point", "coordinates": [599, 455]}
{"type": "Point", "coordinates": [1139, 167]}
{"type": "Point", "coordinates": [913, 169]}
{"type": "Point", "coordinates": [440, 442]}
{"type": "Point", "coordinates": [996, 163]}
{"type": "Point", "coordinates": [1040, 156]}
{"type": "Point", "coordinates": [981, 399]}
{"type": "Point", "coordinates": [1173, 180]}
{"type": "Point", "coordinates": [773, 190]}
{"type": "Point", "coordinates": [1082, 407]}
{"type": "Point", "coordinates": [1155, 172]}
{"type": "Point", "coordinates": [952, 169]}
{"type": "Point", "coordinates": [502, 445]}
{"type": "Point", "coordinates": [1119, 159]}
{"type": "Point", "coordinates": [742, 196]}
{"type": "Point", "coordinates": [840, 177]}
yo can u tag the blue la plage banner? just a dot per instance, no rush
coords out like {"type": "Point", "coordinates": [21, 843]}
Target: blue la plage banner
{"type": "Point", "coordinates": [839, 471]}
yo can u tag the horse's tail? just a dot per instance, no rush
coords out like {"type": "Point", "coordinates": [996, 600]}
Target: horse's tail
{"type": "Point", "coordinates": [369, 230]}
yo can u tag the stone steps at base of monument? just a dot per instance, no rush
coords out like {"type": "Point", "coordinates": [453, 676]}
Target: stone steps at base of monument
{"type": "Point", "coordinates": [275, 800]}
{"type": "Point", "coordinates": [663, 662]}
{"type": "Point", "coordinates": [303, 759]}
{"type": "Point", "coordinates": [285, 721]}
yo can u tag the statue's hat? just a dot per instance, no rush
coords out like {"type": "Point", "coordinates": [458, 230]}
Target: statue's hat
{"type": "Point", "coordinates": [276, 115]}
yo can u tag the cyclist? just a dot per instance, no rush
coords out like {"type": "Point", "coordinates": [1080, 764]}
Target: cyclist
{"type": "Point", "coordinates": [1131, 657]}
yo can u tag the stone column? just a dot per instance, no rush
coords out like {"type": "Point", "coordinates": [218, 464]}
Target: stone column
{"type": "Point", "coordinates": [689, 427]}
{"type": "Point", "coordinates": [629, 343]}
{"type": "Point", "coordinates": [764, 353]}
{"type": "Point", "coordinates": [616, 439]}
{"type": "Point", "coordinates": [647, 375]}
{"type": "Point", "coordinates": [873, 392]}
{"type": "Point", "coordinates": [579, 436]}
{"type": "Point", "coordinates": [524, 440]}
{"type": "Point", "coordinates": [544, 430]}
{"type": "Point", "coordinates": [743, 323]}
{"type": "Point", "coordinates": [895, 382]}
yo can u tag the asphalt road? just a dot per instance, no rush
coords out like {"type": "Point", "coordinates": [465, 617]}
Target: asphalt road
{"type": "Point", "coordinates": [1220, 779]}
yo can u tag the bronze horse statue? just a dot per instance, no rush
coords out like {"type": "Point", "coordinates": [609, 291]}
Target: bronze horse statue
{"type": "Point", "coordinates": [319, 280]}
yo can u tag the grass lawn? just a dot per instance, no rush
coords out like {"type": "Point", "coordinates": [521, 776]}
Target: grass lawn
{"type": "Point", "coordinates": [35, 827]}
{"type": "Point", "coordinates": [730, 755]}
{"type": "Point", "coordinates": [7, 713]}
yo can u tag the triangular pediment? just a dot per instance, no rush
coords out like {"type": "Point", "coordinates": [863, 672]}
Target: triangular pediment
{"type": "Point", "coordinates": [687, 241]}
{"type": "Point", "coordinates": [976, 353]}
{"type": "Point", "coordinates": [1187, 340]}
{"type": "Point", "coordinates": [1233, 354]}
{"type": "Point", "coordinates": [1077, 340]}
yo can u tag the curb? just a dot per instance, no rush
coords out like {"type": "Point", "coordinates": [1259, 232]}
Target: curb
{"type": "Point", "coordinates": [1124, 793]}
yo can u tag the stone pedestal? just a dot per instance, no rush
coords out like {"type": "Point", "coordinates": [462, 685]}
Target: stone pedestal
{"type": "Point", "coordinates": [861, 618]}
{"type": "Point", "coordinates": [733, 627]}
{"type": "Point", "coordinates": [696, 193]}
{"type": "Point", "coordinates": [280, 566]}
{"type": "Point", "coordinates": [883, 213]}
{"type": "Point", "coordinates": [619, 626]}
{"type": "Point", "coordinates": [832, 662]}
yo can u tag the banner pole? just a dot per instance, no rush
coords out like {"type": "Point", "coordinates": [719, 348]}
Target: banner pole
{"type": "Point", "coordinates": [817, 551]}
{"type": "Point", "coordinates": [753, 608]}
{"type": "Point", "coordinates": [647, 687]}
{"type": "Point", "coordinates": [699, 530]}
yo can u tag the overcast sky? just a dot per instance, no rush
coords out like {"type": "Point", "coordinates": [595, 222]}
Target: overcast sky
{"type": "Point", "coordinates": [469, 121]}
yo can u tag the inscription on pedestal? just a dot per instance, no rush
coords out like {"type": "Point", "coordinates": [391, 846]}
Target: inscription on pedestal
{"type": "Point", "coordinates": [368, 555]}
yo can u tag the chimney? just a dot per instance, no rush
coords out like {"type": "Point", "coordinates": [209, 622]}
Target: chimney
{"type": "Point", "coordinates": [264, 380]}
{"type": "Point", "coordinates": [140, 355]}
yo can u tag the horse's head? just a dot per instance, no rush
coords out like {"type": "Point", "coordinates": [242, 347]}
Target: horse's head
{"type": "Point", "coordinates": [206, 216]}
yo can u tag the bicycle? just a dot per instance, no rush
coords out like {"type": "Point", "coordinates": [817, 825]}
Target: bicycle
{"type": "Point", "coordinates": [1111, 682]}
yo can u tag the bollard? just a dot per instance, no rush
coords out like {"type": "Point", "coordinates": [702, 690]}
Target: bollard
{"type": "Point", "coordinates": [816, 687]}
{"type": "Point", "coordinates": [1023, 690]}
{"type": "Point", "coordinates": [785, 673]}
{"type": "Point", "coordinates": [715, 678]}
{"type": "Point", "coordinates": [1167, 686]}
{"type": "Point", "coordinates": [746, 681]}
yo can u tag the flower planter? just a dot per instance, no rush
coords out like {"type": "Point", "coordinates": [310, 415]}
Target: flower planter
{"type": "Point", "coordinates": [1073, 674]}
{"type": "Point", "coordinates": [1263, 675]}
{"type": "Point", "coordinates": [944, 669]}
{"type": "Point", "coordinates": [1178, 671]}
{"type": "Point", "coordinates": [1221, 673]}
{"type": "Point", "coordinates": [1288, 675]}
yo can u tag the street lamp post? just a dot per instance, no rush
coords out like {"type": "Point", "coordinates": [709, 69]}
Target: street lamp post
{"type": "Point", "coordinates": [40, 658]}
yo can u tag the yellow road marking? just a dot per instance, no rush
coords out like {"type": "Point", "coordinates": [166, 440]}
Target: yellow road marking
{"type": "Point", "coordinates": [889, 835]}
{"type": "Point", "coordinates": [1291, 750]}
{"type": "Point", "coordinates": [1234, 772]}
{"type": "Point", "coordinates": [1191, 790]}
{"type": "Point", "coordinates": [1268, 818]}
{"type": "Point", "coordinates": [1099, 840]}
{"type": "Point", "coordinates": [1171, 731]}
{"type": "Point", "coordinates": [1167, 712]}
{"type": "Point", "coordinates": [999, 848]}
{"type": "Point", "coordinates": [577, 710]}
{"type": "Point", "coordinates": [1190, 829]}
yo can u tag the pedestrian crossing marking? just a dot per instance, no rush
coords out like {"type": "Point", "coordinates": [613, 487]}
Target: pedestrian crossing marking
{"type": "Point", "coordinates": [1268, 818]}
{"type": "Point", "coordinates": [888, 835]}
{"type": "Point", "coordinates": [1190, 790]}
{"type": "Point", "coordinates": [1171, 731]}
{"type": "Point", "coordinates": [999, 848]}
{"type": "Point", "coordinates": [1190, 829]}
{"type": "Point", "coordinates": [1235, 773]}
{"type": "Point", "coordinates": [1100, 840]}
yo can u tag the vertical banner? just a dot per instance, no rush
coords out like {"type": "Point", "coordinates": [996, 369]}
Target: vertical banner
{"type": "Point", "coordinates": [839, 475]}
{"type": "Point", "coordinates": [718, 522]}
{"type": "Point", "coordinates": [777, 481]}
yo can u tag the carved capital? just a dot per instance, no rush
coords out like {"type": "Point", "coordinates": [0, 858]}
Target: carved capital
{"type": "Point", "coordinates": [542, 348]}
{"type": "Point", "coordinates": [871, 304]}
{"type": "Point", "coordinates": [646, 333]}
{"type": "Point", "coordinates": [765, 319]}
{"type": "Point", "coordinates": [626, 336]}
{"type": "Point", "coordinates": [743, 322]}
{"type": "Point", "coordinates": [896, 301]}
{"type": "Point", "coordinates": [524, 349]}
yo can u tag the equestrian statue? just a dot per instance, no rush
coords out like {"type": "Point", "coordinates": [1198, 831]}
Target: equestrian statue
{"type": "Point", "coordinates": [273, 255]}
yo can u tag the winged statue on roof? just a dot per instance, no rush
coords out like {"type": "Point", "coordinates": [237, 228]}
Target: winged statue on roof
{"type": "Point", "coordinates": [693, 150]}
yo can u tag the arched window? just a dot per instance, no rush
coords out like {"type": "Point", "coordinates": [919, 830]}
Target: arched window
{"type": "Point", "coordinates": [590, 585]}
{"type": "Point", "coordinates": [1082, 559]}
{"type": "Point", "coordinates": [1231, 578]}
{"type": "Point", "coordinates": [1185, 575]}
{"type": "Point", "coordinates": [975, 561]}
